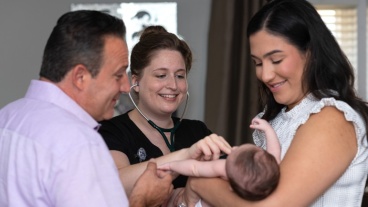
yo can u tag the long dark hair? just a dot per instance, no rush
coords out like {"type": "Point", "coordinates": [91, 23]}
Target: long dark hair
{"type": "Point", "coordinates": [328, 72]}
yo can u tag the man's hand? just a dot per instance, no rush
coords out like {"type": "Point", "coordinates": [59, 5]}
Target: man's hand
{"type": "Point", "coordinates": [152, 188]}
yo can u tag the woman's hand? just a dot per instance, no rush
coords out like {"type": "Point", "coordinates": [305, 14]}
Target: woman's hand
{"type": "Point", "coordinates": [209, 148]}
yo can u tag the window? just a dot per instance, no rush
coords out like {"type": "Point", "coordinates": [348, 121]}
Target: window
{"type": "Point", "coordinates": [343, 24]}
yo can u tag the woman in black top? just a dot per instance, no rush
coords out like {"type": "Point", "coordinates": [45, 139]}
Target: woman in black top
{"type": "Point", "coordinates": [160, 62]}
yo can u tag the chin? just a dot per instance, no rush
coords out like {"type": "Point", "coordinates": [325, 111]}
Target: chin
{"type": "Point", "coordinates": [171, 111]}
{"type": "Point", "coordinates": [108, 115]}
{"type": "Point", "coordinates": [280, 100]}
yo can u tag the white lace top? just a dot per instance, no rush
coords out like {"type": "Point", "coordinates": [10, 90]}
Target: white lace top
{"type": "Point", "coordinates": [348, 190]}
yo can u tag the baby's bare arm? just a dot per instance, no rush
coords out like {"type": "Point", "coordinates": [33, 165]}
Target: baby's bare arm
{"type": "Point", "coordinates": [214, 168]}
{"type": "Point", "coordinates": [272, 141]}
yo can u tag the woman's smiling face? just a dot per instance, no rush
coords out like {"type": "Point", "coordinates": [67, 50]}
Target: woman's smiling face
{"type": "Point", "coordinates": [163, 85]}
{"type": "Point", "coordinates": [280, 66]}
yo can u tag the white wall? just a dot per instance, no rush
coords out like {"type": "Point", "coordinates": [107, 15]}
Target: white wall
{"type": "Point", "coordinates": [26, 25]}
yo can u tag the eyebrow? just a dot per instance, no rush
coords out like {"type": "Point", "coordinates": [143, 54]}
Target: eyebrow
{"type": "Point", "coordinates": [121, 70]}
{"type": "Point", "coordinates": [166, 69]}
{"type": "Point", "coordinates": [268, 54]}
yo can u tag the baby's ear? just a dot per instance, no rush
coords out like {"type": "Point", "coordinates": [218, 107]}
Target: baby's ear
{"type": "Point", "coordinates": [234, 148]}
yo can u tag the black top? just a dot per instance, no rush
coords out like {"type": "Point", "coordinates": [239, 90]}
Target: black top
{"type": "Point", "coordinates": [120, 133]}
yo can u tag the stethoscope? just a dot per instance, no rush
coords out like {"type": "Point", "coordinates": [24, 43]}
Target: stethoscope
{"type": "Point", "coordinates": [160, 129]}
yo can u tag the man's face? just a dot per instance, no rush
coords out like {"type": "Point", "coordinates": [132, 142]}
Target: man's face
{"type": "Point", "coordinates": [103, 91]}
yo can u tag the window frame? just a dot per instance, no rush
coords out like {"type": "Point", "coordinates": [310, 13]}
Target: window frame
{"type": "Point", "coordinates": [361, 6]}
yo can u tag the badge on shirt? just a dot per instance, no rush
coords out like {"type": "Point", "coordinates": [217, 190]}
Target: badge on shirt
{"type": "Point", "coordinates": [141, 154]}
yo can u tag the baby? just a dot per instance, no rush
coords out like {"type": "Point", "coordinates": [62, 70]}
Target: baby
{"type": "Point", "coordinates": [252, 172]}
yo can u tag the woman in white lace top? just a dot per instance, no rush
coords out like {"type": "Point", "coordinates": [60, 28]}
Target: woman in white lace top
{"type": "Point", "coordinates": [307, 86]}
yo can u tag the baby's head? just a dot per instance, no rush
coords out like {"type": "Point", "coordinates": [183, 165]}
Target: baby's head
{"type": "Point", "coordinates": [253, 173]}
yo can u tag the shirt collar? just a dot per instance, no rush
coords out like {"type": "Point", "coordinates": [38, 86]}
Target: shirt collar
{"type": "Point", "coordinates": [49, 92]}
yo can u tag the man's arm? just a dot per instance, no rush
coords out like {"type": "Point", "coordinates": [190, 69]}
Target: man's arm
{"type": "Point", "coordinates": [152, 188]}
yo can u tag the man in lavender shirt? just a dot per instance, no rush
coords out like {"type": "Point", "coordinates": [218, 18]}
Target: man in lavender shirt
{"type": "Point", "coordinates": [50, 151]}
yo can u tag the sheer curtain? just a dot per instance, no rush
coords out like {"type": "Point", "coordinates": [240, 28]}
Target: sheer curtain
{"type": "Point", "coordinates": [232, 98]}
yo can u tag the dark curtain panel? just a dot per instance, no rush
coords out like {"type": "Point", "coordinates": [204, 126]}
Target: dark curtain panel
{"type": "Point", "coordinates": [232, 98]}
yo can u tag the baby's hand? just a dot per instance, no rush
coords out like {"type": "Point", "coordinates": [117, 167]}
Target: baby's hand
{"type": "Point", "coordinates": [260, 124]}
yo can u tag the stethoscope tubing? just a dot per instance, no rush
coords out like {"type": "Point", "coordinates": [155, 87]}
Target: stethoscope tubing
{"type": "Point", "coordinates": [160, 129]}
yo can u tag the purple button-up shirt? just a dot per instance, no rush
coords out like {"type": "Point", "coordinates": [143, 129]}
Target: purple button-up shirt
{"type": "Point", "coordinates": [51, 154]}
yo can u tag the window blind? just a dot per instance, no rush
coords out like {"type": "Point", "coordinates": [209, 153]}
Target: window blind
{"type": "Point", "coordinates": [342, 22]}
